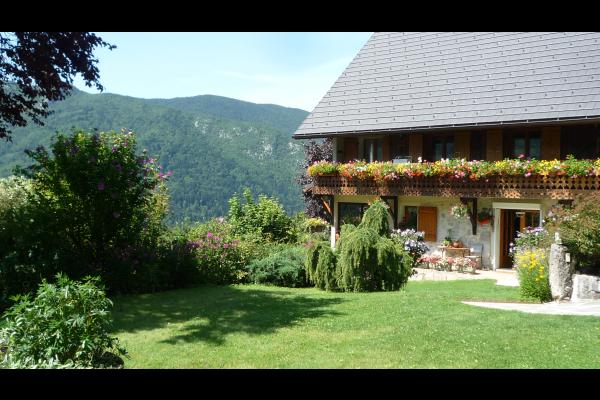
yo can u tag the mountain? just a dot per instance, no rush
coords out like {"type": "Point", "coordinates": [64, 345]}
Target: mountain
{"type": "Point", "coordinates": [214, 145]}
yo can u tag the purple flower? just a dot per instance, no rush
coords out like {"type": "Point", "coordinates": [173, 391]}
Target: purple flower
{"type": "Point", "coordinates": [100, 186]}
{"type": "Point", "coordinates": [209, 235]}
{"type": "Point", "coordinates": [527, 175]}
{"type": "Point", "coordinates": [119, 168]}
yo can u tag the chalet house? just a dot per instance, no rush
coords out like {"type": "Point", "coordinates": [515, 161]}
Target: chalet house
{"type": "Point", "coordinates": [409, 97]}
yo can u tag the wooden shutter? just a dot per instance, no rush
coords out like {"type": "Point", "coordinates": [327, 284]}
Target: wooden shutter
{"type": "Point", "coordinates": [350, 149]}
{"type": "Point", "coordinates": [386, 148]}
{"type": "Point", "coordinates": [428, 223]}
{"type": "Point", "coordinates": [462, 143]}
{"type": "Point", "coordinates": [415, 146]}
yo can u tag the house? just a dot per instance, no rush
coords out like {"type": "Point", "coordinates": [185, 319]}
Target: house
{"type": "Point", "coordinates": [409, 97]}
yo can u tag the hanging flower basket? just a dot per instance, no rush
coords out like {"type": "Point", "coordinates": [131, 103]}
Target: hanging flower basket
{"type": "Point", "coordinates": [459, 211]}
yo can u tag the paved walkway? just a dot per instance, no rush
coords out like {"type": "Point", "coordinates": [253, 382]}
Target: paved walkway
{"type": "Point", "coordinates": [588, 307]}
{"type": "Point", "coordinates": [505, 278]}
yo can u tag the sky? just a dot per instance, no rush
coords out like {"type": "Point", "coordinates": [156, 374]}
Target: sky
{"type": "Point", "coordinates": [290, 69]}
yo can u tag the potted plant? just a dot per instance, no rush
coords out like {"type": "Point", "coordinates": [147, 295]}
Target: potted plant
{"type": "Point", "coordinates": [459, 211]}
{"type": "Point", "coordinates": [447, 241]}
{"type": "Point", "coordinates": [485, 216]}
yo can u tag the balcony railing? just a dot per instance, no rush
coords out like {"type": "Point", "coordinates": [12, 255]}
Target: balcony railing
{"type": "Point", "coordinates": [512, 187]}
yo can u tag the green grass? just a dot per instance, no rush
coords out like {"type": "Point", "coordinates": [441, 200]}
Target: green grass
{"type": "Point", "coordinates": [423, 326]}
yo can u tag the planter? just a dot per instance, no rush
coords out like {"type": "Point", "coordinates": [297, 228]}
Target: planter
{"type": "Point", "coordinates": [484, 221]}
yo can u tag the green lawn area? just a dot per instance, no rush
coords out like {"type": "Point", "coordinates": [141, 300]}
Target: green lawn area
{"type": "Point", "coordinates": [423, 326]}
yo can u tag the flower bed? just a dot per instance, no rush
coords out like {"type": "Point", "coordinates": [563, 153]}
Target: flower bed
{"type": "Point", "coordinates": [458, 169]}
{"type": "Point", "coordinates": [457, 264]}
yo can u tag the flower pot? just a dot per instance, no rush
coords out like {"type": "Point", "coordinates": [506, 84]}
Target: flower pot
{"type": "Point", "coordinates": [457, 244]}
{"type": "Point", "coordinates": [484, 221]}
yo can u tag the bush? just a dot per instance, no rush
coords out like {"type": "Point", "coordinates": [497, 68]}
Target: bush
{"type": "Point", "coordinates": [65, 325]}
{"type": "Point", "coordinates": [369, 262]}
{"type": "Point", "coordinates": [95, 208]}
{"type": "Point", "coordinates": [411, 241]}
{"type": "Point", "coordinates": [266, 218]}
{"type": "Point", "coordinates": [580, 231]}
{"type": "Point", "coordinates": [531, 238]}
{"type": "Point", "coordinates": [376, 218]}
{"type": "Point", "coordinates": [283, 268]}
{"type": "Point", "coordinates": [321, 266]}
{"type": "Point", "coordinates": [532, 268]}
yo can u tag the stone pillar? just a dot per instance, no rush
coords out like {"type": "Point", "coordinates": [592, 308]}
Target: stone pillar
{"type": "Point", "coordinates": [561, 284]}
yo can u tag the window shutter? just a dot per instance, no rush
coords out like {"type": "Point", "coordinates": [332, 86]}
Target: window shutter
{"type": "Point", "coordinates": [428, 223]}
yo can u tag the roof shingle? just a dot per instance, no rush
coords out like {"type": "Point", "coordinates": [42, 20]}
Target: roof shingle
{"type": "Point", "coordinates": [409, 80]}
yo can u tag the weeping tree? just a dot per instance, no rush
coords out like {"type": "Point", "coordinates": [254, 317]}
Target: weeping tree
{"type": "Point", "coordinates": [366, 259]}
{"type": "Point", "coordinates": [314, 151]}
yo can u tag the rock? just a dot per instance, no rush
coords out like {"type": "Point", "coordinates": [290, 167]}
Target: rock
{"type": "Point", "coordinates": [586, 287]}
{"type": "Point", "coordinates": [560, 272]}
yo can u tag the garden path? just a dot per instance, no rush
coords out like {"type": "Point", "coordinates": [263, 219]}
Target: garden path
{"type": "Point", "coordinates": [588, 307]}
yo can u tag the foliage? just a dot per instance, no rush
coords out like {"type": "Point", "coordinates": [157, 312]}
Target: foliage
{"type": "Point", "coordinates": [314, 152]}
{"type": "Point", "coordinates": [531, 239]}
{"type": "Point", "coordinates": [321, 266]}
{"type": "Point", "coordinates": [376, 218]}
{"type": "Point", "coordinates": [266, 218]}
{"type": "Point", "coordinates": [283, 268]}
{"type": "Point", "coordinates": [13, 194]}
{"type": "Point", "coordinates": [216, 145]}
{"type": "Point", "coordinates": [579, 229]}
{"type": "Point", "coordinates": [532, 269]}
{"type": "Point", "coordinates": [484, 214]}
{"type": "Point", "coordinates": [95, 207]}
{"type": "Point", "coordinates": [369, 262]}
{"type": "Point", "coordinates": [459, 169]}
{"type": "Point", "coordinates": [218, 257]}
{"type": "Point", "coordinates": [66, 324]}
{"type": "Point", "coordinates": [459, 211]}
{"type": "Point", "coordinates": [411, 241]}
{"type": "Point", "coordinates": [37, 67]}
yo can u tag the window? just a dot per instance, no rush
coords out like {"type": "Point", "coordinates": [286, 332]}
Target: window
{"type": "Point", "coordinates": [581, 141]}
{"type": "Point", "coordinates": [527, 144]}
{"type": "Point", "coordinates": [440, 147]}
{"type": "Point", "coordinates": [410, 217]}
{"type": "Point", "coordinates": [373, 150]}
{"type": "Point", "coordinates": [351, 213]}
{"type": "Point", "coordinates": [478, 146]}
{"type": "Point", "coordinates": [399, 146]}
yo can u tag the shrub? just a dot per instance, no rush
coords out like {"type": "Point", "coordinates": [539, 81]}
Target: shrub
{"type": "Point", "coordinates": [321, 266]}
{"type": "Point", "coordinates": [266, 218]}
{"type": "Point", "coordinates": [411, 241]}
{"type": "Point", "coordinates": [369, 262]}
{"type": "Point", "coordinates": [95, 208]}
{"type": "Point", "coordinates": [532, 268]}
{"type": "Point", "coordinates": [376, 218]}
{"type": "Point", "coordinates": [65, 325]}
{"type": "Point", "coordinates": [580, 231]}
{"type": "Point", "coordinates": [531, 238]}
{"type": "Point", "coordinates": [283, 268]}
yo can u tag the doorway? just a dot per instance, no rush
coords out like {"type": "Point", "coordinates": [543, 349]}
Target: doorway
{"type": "Point", "coordinates": [512, 222]}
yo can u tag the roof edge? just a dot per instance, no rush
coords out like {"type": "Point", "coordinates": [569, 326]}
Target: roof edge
{"type": "Point", "coordinates": [559, 120]}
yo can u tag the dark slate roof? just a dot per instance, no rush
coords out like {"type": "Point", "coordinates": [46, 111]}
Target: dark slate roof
{"type": "Point", "coordinates": [411, 80]}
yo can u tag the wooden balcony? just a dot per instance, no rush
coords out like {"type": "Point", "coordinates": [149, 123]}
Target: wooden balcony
{"type": "Point", "coordinates": [511, 187]}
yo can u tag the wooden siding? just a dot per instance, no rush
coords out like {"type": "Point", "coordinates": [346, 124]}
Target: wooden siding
{"type": "Point", "coordinates": [350, 149]}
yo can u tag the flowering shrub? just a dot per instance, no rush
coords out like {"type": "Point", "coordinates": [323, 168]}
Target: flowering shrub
{"type": "Point", "coordinates": [95, 207]}
{"type": "Point", "coordinates": [532, 268]}
{"type": "Point", "coordinates": [412, 241]}
{"type": "Point", "coordinates": [218, 256]}
{"type": "Point", "coordinates": [459, 169]}
{"type": "Point", "coordinates": [530, 238]}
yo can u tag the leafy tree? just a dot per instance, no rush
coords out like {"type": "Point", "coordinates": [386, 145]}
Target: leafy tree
{"type": "Point", "coordinates": [37, 67]}
{"type": "Point", "coordinates": [314, 151]}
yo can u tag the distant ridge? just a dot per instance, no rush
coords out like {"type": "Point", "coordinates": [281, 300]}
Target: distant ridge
{"type": "Point", "coordinates": [215, 145]}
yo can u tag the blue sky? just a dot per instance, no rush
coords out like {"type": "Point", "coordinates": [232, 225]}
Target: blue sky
{"type": "Point", "coordinates": [290, 69]}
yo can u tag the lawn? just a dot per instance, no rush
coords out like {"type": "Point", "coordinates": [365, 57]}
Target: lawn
{"type": "Point", "coordinates": [423, 326]}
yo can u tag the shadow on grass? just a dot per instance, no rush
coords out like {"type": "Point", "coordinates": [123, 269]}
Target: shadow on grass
{"type": "Point", "coordinates": [217, 311]}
